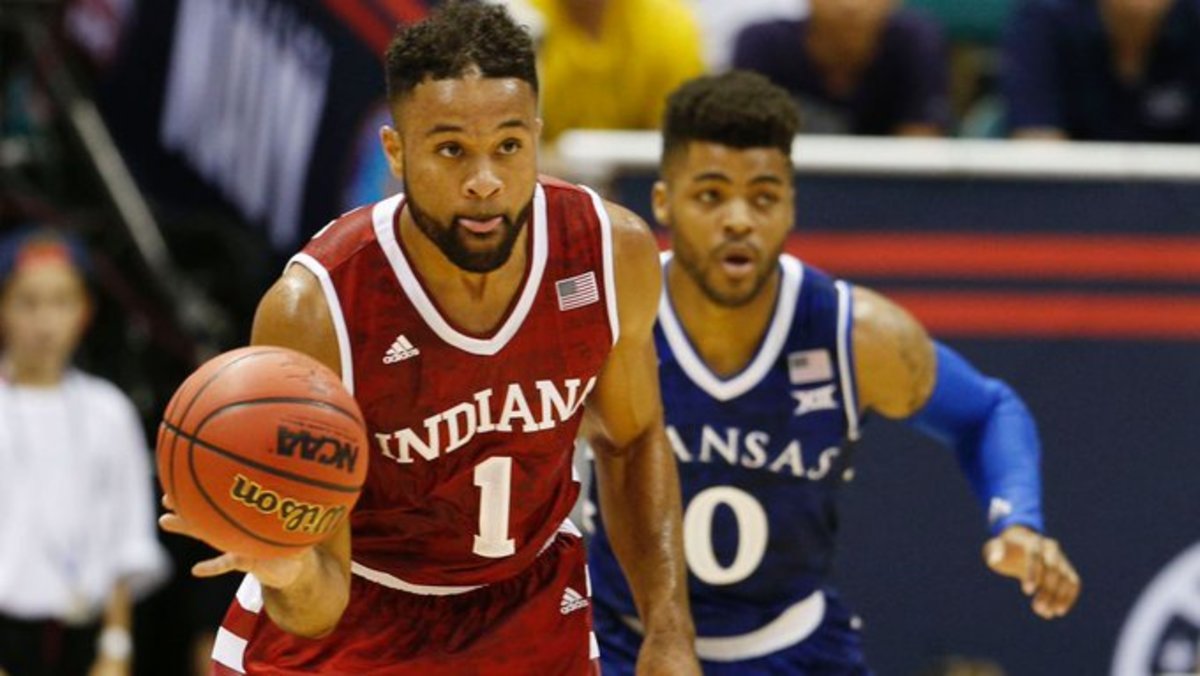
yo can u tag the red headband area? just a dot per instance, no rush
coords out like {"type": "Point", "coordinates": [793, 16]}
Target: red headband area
{"type": "Point", "coordinates": [42, 253]}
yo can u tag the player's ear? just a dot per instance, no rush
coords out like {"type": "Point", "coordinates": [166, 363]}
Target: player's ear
{"type": "Point", "coordinates": [658, 200]}
{"type": "Point", "coordinates": [393, 148]}
{"type": "Point", "coordinates": [537, 128]}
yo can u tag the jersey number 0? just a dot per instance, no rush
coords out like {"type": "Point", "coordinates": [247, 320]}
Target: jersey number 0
{"type": "Point", "coordinates": [752, 531]}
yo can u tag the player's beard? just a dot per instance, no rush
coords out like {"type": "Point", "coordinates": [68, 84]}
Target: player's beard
{"type": "Point", "coordinates": [451, 238]}
{"type": "Point", "coordinates": [698, 266]}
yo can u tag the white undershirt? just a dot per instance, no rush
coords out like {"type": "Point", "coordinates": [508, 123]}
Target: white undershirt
{"type": "Point", "coordinates": [76, 508]}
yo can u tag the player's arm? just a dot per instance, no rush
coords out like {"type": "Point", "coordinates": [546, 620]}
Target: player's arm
{"type": "Point", "coordinates": [307, 593]}
{"type": "Point", "coordinates": [636, 477]}
{"type": "Point", "coordinates": [902, 374]}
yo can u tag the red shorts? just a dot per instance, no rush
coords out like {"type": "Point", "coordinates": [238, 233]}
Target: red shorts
{"type": "Point", "coordinates": [538, 622]}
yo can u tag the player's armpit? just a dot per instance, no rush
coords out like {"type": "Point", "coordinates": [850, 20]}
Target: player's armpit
{"type": "Point", "coordinates": [894, 359]}
{"type": "Point", "coordinates": [293, 314]}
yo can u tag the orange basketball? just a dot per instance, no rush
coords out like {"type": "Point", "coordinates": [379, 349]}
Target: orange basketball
{"type": "Point", "coordinates": [263, 451]}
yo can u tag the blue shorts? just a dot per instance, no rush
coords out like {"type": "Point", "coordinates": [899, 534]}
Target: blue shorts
{"type": "Point", "coordinates": [834, 648]}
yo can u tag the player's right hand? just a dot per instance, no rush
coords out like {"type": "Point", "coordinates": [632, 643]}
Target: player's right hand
{"type": "Point", "coordinates": [278, 573]}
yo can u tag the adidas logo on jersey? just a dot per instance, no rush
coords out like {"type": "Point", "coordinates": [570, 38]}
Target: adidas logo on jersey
{"type": "Point", "coordinates": [400, 350]}
{"type": "Point", "coordinates": [572, 601]}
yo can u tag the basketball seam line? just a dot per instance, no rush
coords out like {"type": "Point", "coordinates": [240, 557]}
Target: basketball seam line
{"type": "Point", "coordinates": [188, 409]}
{"type": "Point", "coordinates": [340, 488]}
{"type": "Point", "coordinates": [213, 503]}
{"type": "Point", "coordinates": [317, 403]}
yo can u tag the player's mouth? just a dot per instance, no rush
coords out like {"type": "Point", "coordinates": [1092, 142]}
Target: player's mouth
{"type": "Point", "coordinates": [481, 226]}
{"type": "Point", "coordinates": [738, 262]}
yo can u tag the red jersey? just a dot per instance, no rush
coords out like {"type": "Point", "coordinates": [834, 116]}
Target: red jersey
{"type": "Point", "coordinates": [471, 462]}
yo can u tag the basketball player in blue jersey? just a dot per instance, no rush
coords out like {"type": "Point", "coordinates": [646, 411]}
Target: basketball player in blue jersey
{"type": "Point", "coordinates": [768, 367]}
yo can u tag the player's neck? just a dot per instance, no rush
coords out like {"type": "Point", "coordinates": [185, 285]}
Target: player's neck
{"type": "Point", "coordinates": [476, 302]}
{"type": "Point", "coordinates": [725, 337]}
{"type": "Point", "coordinates": [21, 374]}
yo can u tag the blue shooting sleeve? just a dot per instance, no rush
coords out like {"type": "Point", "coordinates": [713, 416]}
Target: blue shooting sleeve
{"type": "Point", "coordinates": [994, 435]}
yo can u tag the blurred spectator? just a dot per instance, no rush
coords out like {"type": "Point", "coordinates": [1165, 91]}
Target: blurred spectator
{"type": "Point", "coordinates": [1104, 70]}
{"type": "Point", "coordinates": [856, 66]}
{"type": "Point", "coordinates": [609, 64]}
{"type": "Point", "coordinates": [77, 536]}
{"type": "Point", "coordinates": [96, 26]}
{"type": "Point", "coordinates": [977, 21]}
{"type": "Point", "coordinates": [722, 20]}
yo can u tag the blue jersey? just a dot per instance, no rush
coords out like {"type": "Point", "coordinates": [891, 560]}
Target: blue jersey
{"type": "Point", "coordinates": [761, 455]}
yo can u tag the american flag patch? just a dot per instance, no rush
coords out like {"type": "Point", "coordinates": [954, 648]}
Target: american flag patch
{"type": "Point", "coordinates": [810, 366]}
{"type": "Point", "coordinates": [578, 291]}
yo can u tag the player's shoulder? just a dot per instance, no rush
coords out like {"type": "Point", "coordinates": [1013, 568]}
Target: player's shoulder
{"type": "Point", "coordinates": [810, 277]}
{"type": "Point", "coordinates": [630, 234]}
{"type": "Point", "coordinates": [553, 184]}
{"type": "Point", "coordinates": [820, 298]}
{"type": "Point", "coordinates": [570, 204]}
{"type": "Point", "coordinates": [346, 236]}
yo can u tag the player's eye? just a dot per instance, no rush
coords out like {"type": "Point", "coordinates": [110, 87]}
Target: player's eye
{"type": "Point", "coordinates": [510, 147]}
{"type": "Point", "coordinates": [709, 196]}
{"type": "Point", "coordinates": [450, 150]}
{"type": "Point", "coordinates": [765, 200]}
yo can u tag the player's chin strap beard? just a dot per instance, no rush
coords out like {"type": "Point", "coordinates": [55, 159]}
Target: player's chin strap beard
{"type": "Point", "coordinates": [447, 240]}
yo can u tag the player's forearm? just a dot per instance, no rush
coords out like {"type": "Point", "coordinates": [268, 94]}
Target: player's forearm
{"type": "Point", "coordinates": [312, 605]}
{"type": "Point", "coordinates": [640, 503]}
{"type": "Point", "coordinates": [995, 437]}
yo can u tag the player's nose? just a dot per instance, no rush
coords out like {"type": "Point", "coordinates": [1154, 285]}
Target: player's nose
{"type": "Point", "coordinates": [737, 219]}
{"type": "Point", "coordinates": [483, 183]}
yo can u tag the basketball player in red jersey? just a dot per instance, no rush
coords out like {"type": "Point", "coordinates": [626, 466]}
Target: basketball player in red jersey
{"type": "Point", "coordinates": [478, 320]}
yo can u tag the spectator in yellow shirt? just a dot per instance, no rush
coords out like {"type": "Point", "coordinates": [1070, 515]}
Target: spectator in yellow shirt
{"type": "Point", "coordinates": [609, 64]}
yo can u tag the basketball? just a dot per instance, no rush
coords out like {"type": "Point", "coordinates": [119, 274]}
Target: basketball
{"type": "Point", "coordinates": [263, 451]}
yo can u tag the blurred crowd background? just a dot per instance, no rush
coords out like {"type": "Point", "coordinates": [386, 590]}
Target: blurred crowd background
{"type": "Point", "coordinates": [193, 145]}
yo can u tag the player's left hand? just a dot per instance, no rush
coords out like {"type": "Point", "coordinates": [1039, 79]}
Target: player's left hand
{"type": "Point", "coordinates": [1040, 564]}
{"type": "Point", "coordinates": [667, 654]}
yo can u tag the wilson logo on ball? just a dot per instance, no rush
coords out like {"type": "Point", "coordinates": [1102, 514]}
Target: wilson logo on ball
{"type": "Point", "coordinates": [322, 450]}
{"type": "Point", "coordinates": [296, 515]}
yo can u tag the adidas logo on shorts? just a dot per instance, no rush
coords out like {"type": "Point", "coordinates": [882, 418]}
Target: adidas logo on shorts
{"type": "Point", "coordinates": [400, 350]}
{"type": "Point", "coordinates": [572, 601]}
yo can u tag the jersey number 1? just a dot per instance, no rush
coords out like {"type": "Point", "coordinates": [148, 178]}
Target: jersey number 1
{"type": "Point", "coordinates": [494, 479]}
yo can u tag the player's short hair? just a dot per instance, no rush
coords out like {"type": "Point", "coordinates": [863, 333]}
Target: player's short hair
{"type": "Point", "coordinates": [738, 109]}
{"type": "Point", "coordinates": [456, 38]}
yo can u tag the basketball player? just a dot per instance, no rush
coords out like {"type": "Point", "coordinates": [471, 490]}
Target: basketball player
{"type": "Point", "coordinates": [476, 319]}
{"type": "Point", "coordinates": [767, 368]}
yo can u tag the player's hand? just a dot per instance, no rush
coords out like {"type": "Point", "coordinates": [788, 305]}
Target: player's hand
{"type": "Point", "coordinates": [277, 573]}
{"type": "Point", "coordinates": [664, 654]}
{"type": "Point", "coordinates": [1040, 564]}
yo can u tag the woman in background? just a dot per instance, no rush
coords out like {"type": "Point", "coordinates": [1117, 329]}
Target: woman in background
{"type": "Point", "coordinates": [77, 537]}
